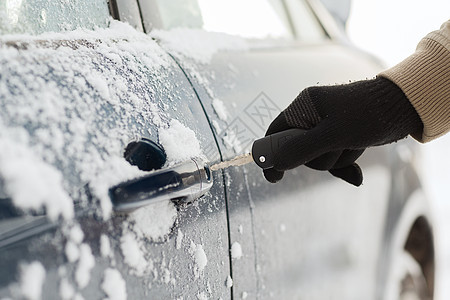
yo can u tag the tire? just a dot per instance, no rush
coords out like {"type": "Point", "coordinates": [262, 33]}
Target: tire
{"type": "Point", "coordinates": [410, 272]}
{"type": "Point", "coordinates": [412, 282]}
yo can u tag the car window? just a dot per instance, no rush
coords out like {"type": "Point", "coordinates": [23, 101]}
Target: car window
{"type": "Point", "coordinates": [307, 27]}
{"type": "Point", "coordinates": [247, 18]}
{"type": "Point", "coordinates": [38, 16]}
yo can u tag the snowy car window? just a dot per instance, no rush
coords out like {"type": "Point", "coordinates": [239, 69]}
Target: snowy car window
{"type": "Point", "coordinates": [246, 18]}
{"type": "Point", "coordinates": [38, 16]}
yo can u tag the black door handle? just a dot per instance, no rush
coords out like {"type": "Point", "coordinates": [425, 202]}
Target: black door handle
{"type": "Point", "coordinates": [184, 183]}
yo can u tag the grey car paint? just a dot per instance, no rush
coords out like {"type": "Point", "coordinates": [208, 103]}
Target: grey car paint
{"type": "Point", "coordinates": [298, 239]}
{"type": "Point", "coordinates": [301, 238]}
{"type": "Point", "coordinates": [26, 238]}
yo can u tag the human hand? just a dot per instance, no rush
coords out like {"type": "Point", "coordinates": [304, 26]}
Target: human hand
{"type": "Point", "coordinates": [341, 122]}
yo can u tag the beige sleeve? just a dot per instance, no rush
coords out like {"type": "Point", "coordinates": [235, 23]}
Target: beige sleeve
{"type": "Point", "coordinates": [424, 77]}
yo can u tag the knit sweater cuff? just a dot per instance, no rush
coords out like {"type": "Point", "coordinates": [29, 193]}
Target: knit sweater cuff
{"type": "Point", "coordinates": [424, 78]}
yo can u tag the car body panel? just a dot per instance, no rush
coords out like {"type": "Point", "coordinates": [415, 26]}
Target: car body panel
{"type": "Point", "coordinates": [116, 88]}
{"type": "Point", "coordinates": [300, 238]}
{"type": "Point", "coordinates": [306, 242]}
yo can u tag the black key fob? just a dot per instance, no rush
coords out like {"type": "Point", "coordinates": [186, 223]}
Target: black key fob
{"type": "Point", "coordinates": [263, 149]}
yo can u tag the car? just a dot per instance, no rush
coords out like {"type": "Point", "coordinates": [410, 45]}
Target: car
{"type": "Point", "coordinates": [113, 116]}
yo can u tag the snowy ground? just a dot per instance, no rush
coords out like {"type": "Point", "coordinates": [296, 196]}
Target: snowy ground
{"type": "Point", "coordinates": [391, 30]}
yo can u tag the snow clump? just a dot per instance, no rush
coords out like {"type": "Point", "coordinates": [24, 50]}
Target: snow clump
{"type": "Point", "coordinates": [85, 265]}
{"type": "Point", "coordinates": [231, 140]}
{"type": "Point", "coordinates": [154, 221]}
{"type": "Point", "coordinates": [236, 250]}
{"type": "Point", "coordinates": [133, 254]}
{"type": "Point", "coordinates": [114, 285]}
{"type": "Point", "coordinates": [31, 280]}
{"type": "Point", "coordinates": [66, 290]}
{"type": "Point", "coordinates": [200, 259]}
{"type": "Point", "coordinates": [220, 109]}
{"type": "Point", "coordinates": [75, 100]}
{"type": "Point", "coordinates": [229, 282]}
{"type": "Point", "coordinates": [179, 240]}
{"type": "Point", "coordinates": [179, 142]}
{"type": "Point", "coordinates": [31, 182]}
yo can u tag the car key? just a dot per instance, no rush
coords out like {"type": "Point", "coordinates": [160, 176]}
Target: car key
{"type": "Point", "coordinates": [262, 150]}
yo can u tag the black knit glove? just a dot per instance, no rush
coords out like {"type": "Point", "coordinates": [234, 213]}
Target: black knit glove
{"type": "Point", "coordinates": [342, 121]}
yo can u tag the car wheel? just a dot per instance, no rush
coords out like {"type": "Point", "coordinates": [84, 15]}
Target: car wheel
{"type": "Point", "coordinates": [410, 275]}
{"type": "Point", "coordinates": [411, 282]}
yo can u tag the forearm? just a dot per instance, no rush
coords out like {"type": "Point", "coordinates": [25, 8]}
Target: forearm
{"type": "Point", "coordinates": [424, 77]}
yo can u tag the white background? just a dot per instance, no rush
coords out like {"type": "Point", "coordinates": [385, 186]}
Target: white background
{"type": "Point", "coordinates": [391, 30]}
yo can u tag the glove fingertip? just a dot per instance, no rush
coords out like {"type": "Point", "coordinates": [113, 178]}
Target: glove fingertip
{"type": "Point", "coordinates": [351, 174]}
{"type": "Point", "coordinates": [278, 124]}
{"type": "Point", "coordinates": [272, 175]}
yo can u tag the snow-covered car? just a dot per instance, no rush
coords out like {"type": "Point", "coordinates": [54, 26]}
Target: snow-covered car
{"type": "Point", "coordinates": [112, 113]}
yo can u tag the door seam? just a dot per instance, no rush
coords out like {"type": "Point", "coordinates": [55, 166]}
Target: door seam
{"type": "Point", "coordinates": [222, 173]}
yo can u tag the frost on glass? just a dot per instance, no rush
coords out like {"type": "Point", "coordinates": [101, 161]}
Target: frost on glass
{"type": "Point", "coordinates": [38, 16]}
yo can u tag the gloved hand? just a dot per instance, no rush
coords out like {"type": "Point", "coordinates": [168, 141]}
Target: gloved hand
{"type": "Point", "coordinates": [342, 121]}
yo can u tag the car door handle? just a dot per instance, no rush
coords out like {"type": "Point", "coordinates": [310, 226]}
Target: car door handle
{"type": "Point", "coordinates": [183, 183]}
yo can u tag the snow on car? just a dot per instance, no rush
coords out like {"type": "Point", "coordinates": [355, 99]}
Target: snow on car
{"type": "Point", "coordinates": [110, 106]}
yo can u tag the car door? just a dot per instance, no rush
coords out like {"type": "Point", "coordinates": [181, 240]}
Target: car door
{"type": "Point", "coordinates": [76, 108]}
{"type": "Point", "coordinates": [310, 236]}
